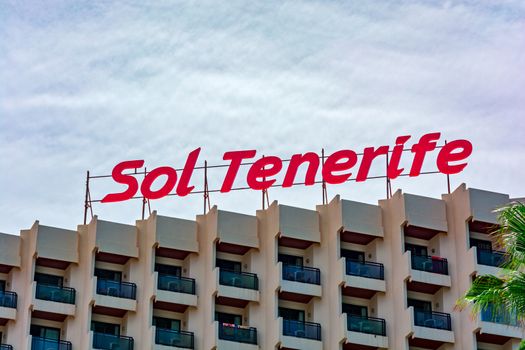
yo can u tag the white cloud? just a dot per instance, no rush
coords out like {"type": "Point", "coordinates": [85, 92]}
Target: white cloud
{"type": "Point", "coordinates": [85, 85]}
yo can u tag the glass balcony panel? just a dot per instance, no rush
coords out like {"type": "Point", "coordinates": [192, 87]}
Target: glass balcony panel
{"type": "Point", "coordinates": [174, 338]}
{"type": "Point", "coordinates": [238, 279]}
{"type": "Point", "coordinates": [8, 299]}
{"type": "Point", "coordinates": [432, 319]}
{"type": "Point", "coordinates": [117, 289]}
{"type": "Point", "coordinates": [301, 274]}
{"type": "Point", "coordinates": [301, 329]}
{"type": "Point", "coordinates": [6, 347]}
{"type": "Point", "coordinates": [111, 342]}
{"type": "Point", "coordinates": [430, 264]}
{"type": "Point", "coordinates": [490, 257]}
{"type": "Point", "coordinates": [365, 269]}
{"type": "Point", "coordinates": [237, 333]}
{"type": "Point", "coordinates": [38, 343]}
{"type": "Point", "coordinates": [177, 284]}
{"type": "Point", "coordinates": [55, 293]}
{"type": "Point", "coordinates": [369, 325]}
{"type": "Point", "coordinates": [501, 316]}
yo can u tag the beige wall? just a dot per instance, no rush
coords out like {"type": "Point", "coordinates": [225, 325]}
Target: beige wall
{"type": "Point", "coordinates": [321, 230]}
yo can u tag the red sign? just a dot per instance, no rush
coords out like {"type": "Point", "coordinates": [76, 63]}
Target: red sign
{"type": "Point", "coordinates": [338, 167]}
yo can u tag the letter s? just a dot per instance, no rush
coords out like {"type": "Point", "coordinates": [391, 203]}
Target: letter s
{"type": "Point", "coordinates": [129, 180]}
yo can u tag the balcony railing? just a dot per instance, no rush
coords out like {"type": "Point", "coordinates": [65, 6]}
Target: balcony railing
{"type": "Point", "coordinates": [501, 316]}
{"type": "Point", "coordinates": [432, 319]}
{"type": "Point", "coordinates": [38, 343]}
{"type": "Point", "coordinates": [6, 347]}
{"type": "Point", "coordinates": [177, 284]}
{"type": "Point", "coordinates": [369, 325]}
{"type": "Point", "coordinates": [117, 289]}
{"type": "Point", "coordinates": [366, 269]}
{"type": "Point", "coordinates": [238, 279]}
{"type": "Point", "coordinates": [302, 329]}
{"type": "Point", "coordinates": [8, 299]}
{"type": "Point", "coordinates": [430, 264]}
{"type": "Point", "coordinates": [237, 333]}
{"type": "Point", "coordinates": [110, 342]}
{"type": "Point", "coordinates": [301, 274]}
{"type": "Point", "coordinates": [490, 257]}
{"type": "Point", "coordinates": [55, 293]}
{"type": "Point", "coordinates": [178, 339]}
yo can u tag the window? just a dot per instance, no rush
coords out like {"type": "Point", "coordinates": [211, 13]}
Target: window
{"type": "Point", "coordinates": [2, 286]}
{"type": "Point", "coordinates": [109, 275]}
{"type": "Point", "coordinates": [481, 244]}
{"type": "Point", "coordinates": [50, 280]}
{"type": "Point", "coordinates": [417, 250]}
{"type": "Point", "coordinates": [168, 269]}
{"type": "Point", "coordinates": [234, 266]}
{"type": "Point", "coordinates": [291, 314]}
{"type": "Point", "coordinates": [420, 304]}
{"type": "Point", "coordinates": [353, 255]}
{"type": "Point", "coordinates": [222, 317]}
{"type": "Point", "coordinates": [45, 332]}
{"type": "Point", "coordinates": [291, 259]}
{"type": "Point", "coordinates": [166, 323]}
{"type": "Point", "coordinates": [355, 310]}
{"type": "Point", "coordinates": [105, 328]}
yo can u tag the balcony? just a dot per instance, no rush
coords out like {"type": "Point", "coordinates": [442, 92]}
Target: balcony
{"type": "Point", "coordinates": [299, 283]}
{"type": "Point", "coordinates": [238, 334]}
{"type": "Point", "coordinates": [301, 329]}
{"type": "Point", "coordinates": [301, 274]}
{"type": "Point", "coordinates": [110, 342]}
{"type": "Point", "coordinates": [6, 347]}
{"type": "Point", "coordinates": [55, 293]}
{"type": "Point", "coordinates": [172, 289]}
{"type": "Point", "coordinates": [38, 343]}
{"type": "Point", "coordinates": [244, 280]}
{"type": "Point", "coordinates": [236, 288]}
{"type": "Point", "coordinates": [365, 331]}
{"type": "Point", "coordinates": [365, 269]}
{"type": "Point", "coordinates": [117, 289]}
{"type": "Point", "coordinates": [369, 325]}
{"type": "Point", "coordinates": [425, 274]}
{"type": "Point", "coordinates": [432, 319]}
{"type": "Point", "coordinates": [175, 339]}
{"type": "Point", "coordinates": [498, 323]}
{"type": "Point", "coordinates": [490, 257]}
{"type": "Point", "coordinates": [432, 264]}
{"type": "Point", "coordinates": [298, 335]}
{"type": "Point", "coordinates": [8, 299]}
{"type": "Point", "coordinates": [362, 279]}
{"type": "Point", "coordinates": [114, 295]}
{"type": "Point", "coordinates": [499, 316]}
{"type": "Point", "coordinates": [8, 303]}
{"type": "Point", "coordinates": [176, 284]}
{"type": "Point", "coordinates": [427, 328]}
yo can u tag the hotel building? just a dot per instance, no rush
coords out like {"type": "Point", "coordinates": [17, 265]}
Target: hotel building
{"type": "Point", "coordinates": [345, 275]}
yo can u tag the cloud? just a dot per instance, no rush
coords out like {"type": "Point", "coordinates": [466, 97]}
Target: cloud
{"type": "Point", "coordinates": [88, 84]}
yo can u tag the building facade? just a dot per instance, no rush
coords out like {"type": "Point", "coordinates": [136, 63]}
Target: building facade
{"type": "Point", "coordinates": [347, 275]}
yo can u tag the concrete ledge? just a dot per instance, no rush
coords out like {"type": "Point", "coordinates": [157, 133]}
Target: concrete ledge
{"type": "Point", "coordinates": [433, 334]}
{"type": "Point", "coordinates": [7, 313]}
{"type": "Point", "coordinates": [301, 288]}
{"type": "Point", "coordinates": [238, 293]}
{"type": "Point", "coordinates": [365, 339]}
{"type": "Point", "coordinates": [365, 283]}
{"type": "Point", "coordinates": [501, 329]}
{"type": "Point", "coordinates": [115, 303]}
{"type": "Point", "coordinates": [52, 306]}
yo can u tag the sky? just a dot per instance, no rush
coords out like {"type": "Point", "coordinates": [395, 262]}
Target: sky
{"type": "Point", "coordinates": [85, 85]}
